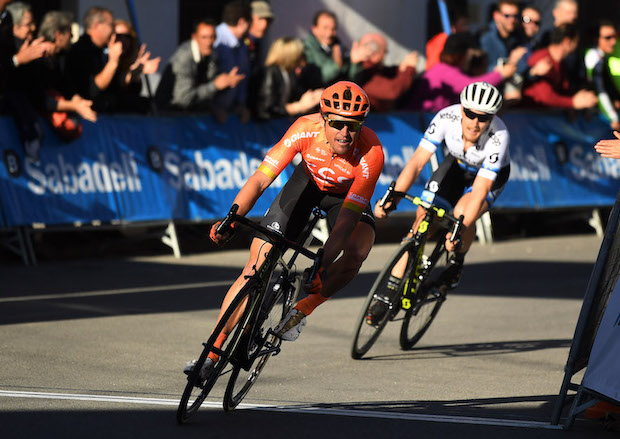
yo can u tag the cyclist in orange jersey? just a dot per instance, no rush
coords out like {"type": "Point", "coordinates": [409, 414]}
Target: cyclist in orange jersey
{"type": "Point", "coordinates": [341, 163]}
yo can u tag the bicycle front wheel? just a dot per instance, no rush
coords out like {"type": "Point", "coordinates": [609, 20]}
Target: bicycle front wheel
{"type": "Point", "coordinates": [427, 300]}
{"type": "Point", "coordinates": [197, 389]}
{"type": "Point", "coordinates": [279, 299]}
{"type": "Point", "coordinates": [381, 300]}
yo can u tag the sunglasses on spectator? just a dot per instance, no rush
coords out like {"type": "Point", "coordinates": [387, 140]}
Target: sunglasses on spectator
{"type": "Point", "coordinates": [481, 117]}
{"type": "Point", "coordinates": [340, 124]}
{"type": "Point", "coordinates": [528, 20]}
{"type": "Point", "coordinates": [509, 16]}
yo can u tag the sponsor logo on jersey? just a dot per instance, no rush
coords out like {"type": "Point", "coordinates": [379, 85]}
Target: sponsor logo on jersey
{"type": "Point", "coordinates": [452, 117]}
{"type": "Point", "coordinates": [271, 161]}
{"type": "Point", "coordinates": [303, 135]}
{"type": "Point", "coordinates": [342, 168]}
{"type": "Point", "coordinates": [313, 157]}
{"type": "Point", "coordinates": [357, 198]}
{"type": "Point", "coordinates": [326, 175]}
{"type": "Point", "coordinates": [275, 226]}
{"type": "Point", "coordinates": [365, 169]}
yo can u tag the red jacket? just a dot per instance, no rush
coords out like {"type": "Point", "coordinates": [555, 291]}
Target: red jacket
{"type": "Point", "coordinates": [550, 90]}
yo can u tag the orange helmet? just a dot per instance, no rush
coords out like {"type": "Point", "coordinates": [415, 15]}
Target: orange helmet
{"type": "Point", "coordinates": [345, 98]}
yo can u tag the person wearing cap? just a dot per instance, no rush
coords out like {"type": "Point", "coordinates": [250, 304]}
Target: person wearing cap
{"type": "Point", "coordinates": [262, 17]}
{"type": "Point", "coordinates": [474, 172]}
{"type": "Point", "coordinates": [341, 163]}
{"type": "Point", "coordinates": [440, 86]}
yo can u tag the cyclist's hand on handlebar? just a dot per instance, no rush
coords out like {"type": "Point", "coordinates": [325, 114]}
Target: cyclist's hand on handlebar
{"type": "Point", "coordinates": [452, 246]}
{"type": "Point", "coordinates": [220, 239]}
{"type": "Point", "coordinates": [313, 286]}
{"type": "Point", "coordinates": [382, 212]}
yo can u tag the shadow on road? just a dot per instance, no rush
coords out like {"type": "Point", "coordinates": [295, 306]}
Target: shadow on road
{"type": "Point", "coordinates": [56, 291]}
{"type": "Point", "coordinates": [214, 423]}
{"type": "Point", "coordinates": [474, 349]}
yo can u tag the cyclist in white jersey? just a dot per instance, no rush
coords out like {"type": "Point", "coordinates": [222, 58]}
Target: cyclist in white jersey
{"type": "Point", "coordinates": [472, 175]}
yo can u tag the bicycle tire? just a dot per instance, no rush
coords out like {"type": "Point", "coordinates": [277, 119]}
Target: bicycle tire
{"type": "Point", "coordinates": [428, 301]}
{"type": "Point", "coordinates": [196, 391]}
{"type": "Point", "coordinates": [366, 334]}
{"type": "Point", "coordinates": [276, 305]}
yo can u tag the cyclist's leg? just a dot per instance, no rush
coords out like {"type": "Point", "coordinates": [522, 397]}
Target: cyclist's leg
{"type": "Point", "coordinates": [345, 268]}
{"type": "Point", "coordinates": [258, 250]}
{"type": "Point", "coordinates": [399, 269]}
{"type": "Point", "coordinates": [468, 233]}
{"type": "Point", "coordinates": [447, 184]}
{"type": "Point", "coordinates": [464, 205]}
{"type": "Point", "coordinates": [341, 272]}
{"type": "Point", "coordinates": [469, 206]}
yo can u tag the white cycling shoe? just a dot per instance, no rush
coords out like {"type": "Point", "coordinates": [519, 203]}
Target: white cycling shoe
{"type": "Point", "coordinates": [205, 371]}
{"type": "Point", "coordinates": [290, 327]}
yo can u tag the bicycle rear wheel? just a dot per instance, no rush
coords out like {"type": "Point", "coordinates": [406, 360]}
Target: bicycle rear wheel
{"type": "Point", "coordinates": [196, 389]}
{"type": "Point", "coordinates": [368, 330]}
{"type": "Point", "coordinates": [428, 300]}
{"type": "Point", "coordinates": [279, 299]}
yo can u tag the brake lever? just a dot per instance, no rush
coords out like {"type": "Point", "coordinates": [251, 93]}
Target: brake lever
{"type": "Point", "coordinates": [456, 230]}
{"type": "Point", "coordinates": [316, 265]}
{"type": "Point", "coordinates": [226, 225]}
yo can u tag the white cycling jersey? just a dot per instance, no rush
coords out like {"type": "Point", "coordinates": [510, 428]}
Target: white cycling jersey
{"type": "Point", "coordinates": [485, 158]}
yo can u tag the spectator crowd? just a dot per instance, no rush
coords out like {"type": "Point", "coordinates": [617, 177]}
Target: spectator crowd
{"type": "Point", "coordinates": [225, 69]}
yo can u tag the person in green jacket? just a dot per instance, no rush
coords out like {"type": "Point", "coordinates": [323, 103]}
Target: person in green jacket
{"type": "Point", "coordinates": [599, 75]}
{"type": "Point", "coordinates": [325, 56]}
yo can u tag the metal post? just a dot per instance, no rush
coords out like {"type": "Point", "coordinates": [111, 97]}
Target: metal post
{"type": "Point", "coordinates": [445, 17]}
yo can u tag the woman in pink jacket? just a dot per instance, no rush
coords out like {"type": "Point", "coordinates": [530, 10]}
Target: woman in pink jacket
{"type": "Point", "coordinates": [440, 86]}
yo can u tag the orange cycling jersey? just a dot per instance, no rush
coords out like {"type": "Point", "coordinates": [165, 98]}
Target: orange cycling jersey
{"type": "Point", "coordinates": [354, 173]}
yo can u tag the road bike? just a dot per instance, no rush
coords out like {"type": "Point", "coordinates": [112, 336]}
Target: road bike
{"type": "Point", "coordinates": [265, 299]}
{"type": "Point", "coordinates": [419, 292]}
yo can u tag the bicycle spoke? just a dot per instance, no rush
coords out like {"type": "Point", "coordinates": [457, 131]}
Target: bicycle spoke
{"type": "Point", "coordinates": [381, 306]}
{"type": "Point", "coordinates": [428, 301]}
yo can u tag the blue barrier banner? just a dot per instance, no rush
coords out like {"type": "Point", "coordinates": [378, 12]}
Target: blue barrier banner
{"type": "Point", "coordinates": [554, 164]}
{"type": "Point", "coordinates": [400, 134]}
{"type": "Point", "coordinates": [136, 168]}
{"type": "Point", "coordinates": [71, 183]}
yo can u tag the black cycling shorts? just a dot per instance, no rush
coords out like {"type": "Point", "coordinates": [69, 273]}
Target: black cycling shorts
{"type": "Point", "coordinates": [450, 182]}
{"type": "Point", "coordinates": [290, 211]}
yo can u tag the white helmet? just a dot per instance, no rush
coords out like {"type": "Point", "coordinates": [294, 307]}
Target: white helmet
{"type": "Point", "coordinates": [481, 96]}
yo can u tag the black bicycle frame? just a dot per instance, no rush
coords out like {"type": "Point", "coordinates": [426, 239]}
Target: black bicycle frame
{"type": "Point", "coordinates": [263, 273]}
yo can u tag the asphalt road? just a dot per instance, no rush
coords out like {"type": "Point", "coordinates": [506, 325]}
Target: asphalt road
{"type": "Point", "coordinates": [95, 347]}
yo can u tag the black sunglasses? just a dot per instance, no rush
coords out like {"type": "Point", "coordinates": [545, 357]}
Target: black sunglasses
{"type": "Point", "coordinates": [481, 117]}
{"type": "Point", "coordinates": [508, 16]}
{"type": "Point", "coordinates": [340, 124]}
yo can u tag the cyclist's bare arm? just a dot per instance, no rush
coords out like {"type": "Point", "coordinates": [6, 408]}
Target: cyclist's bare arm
{"type": "Point", "coordinates": [246, 198]}
{"type": "Point", "coordinates": [408, 175]}
{"type": "Point", "coordinates": [412, 169]}
{"type": "Point", "coordinates": [251, 192]}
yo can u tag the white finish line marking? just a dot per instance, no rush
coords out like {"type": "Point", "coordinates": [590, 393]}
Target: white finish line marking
{"type": "Point", "coordinates": [220, 283]}
{"type": "Point", "coordinates": [283, 409]}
